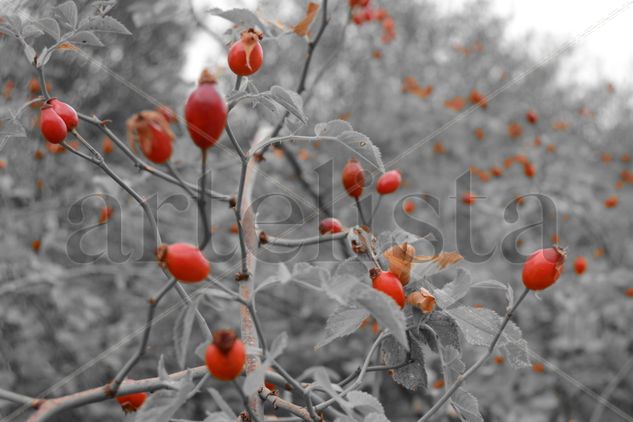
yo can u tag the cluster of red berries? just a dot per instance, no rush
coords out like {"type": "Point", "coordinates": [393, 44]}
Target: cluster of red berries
{"type": "Point", "coordinates": [353, 178]}
{"type": "Point", "coordinates": [56, 120]}
{"type": "Point", "coordinates": [363, 12]}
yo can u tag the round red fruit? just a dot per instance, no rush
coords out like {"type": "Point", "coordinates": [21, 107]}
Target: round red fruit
{"type": "Point", "coordinates": [330, 225]}
{"type": "Point", "coordinates": [353, 178]}
{"type": "Point", "coordinates": [205, 112]}
{"type": "Point", "coordinates": [52, 126]}
{"type": "Point", "coordinates": [132, 402]}
{"type": "Point", "coordinates": [246, 55]}
{"type": "Point", "coordinates": [389, 182]}
{"type": "Point", "coordinates": [226, 356]}
{"type": "Point", "coordinates": [469, 198]}
{"type": "Point", "coordinates": [66, 112]}
{"type": "Point", "coordinates": [531, 117]}
{"type": "Point", "coordinates": [390, 285]}
{"type": "Point", "coordinates": [155, 143]}
{"type": "Point", "coordinates": [543, 268]}
{"type": "Point", "coordinates": [580, 265]}
{"type": "Point", "coordinates": [184, 261]}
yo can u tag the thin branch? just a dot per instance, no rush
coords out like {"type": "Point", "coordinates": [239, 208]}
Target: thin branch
{"type": "Point", "coordinates": [153, 302]}
{"type": "Point", "coordinates": [79, 153]}
{"type": "Point", "coordinates": [202, 206]}
{"type": "Point", "coordinates": [18, 398]}
{"type": "Point", "coordinates": [140, 164]}
{"type": "Point", "coordinates": [376, 368]}
{"type": "Point", "coordinates": [279, 403]}
{"type": "Point", "coordinates": [236, 145]}
{"type": "Point", "coordinates": [278, 241]}
{"type": "Point", "coordinates": [245, 401]}
{"type": "Point", "coordinates": [43, 88]}
{"type": "Point", "coordinates": [463, 377]}
{"type": "Point", "coordinates": [360, 211]}
{"type": "Point", "coordinates": [609, 389]}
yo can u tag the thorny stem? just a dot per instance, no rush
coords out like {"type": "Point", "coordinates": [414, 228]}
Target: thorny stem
{"type": "Point", "coordinates": [460, 380]}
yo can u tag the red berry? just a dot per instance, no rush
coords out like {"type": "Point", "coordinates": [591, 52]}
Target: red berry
{"type": "Point", "coordinates": [408, 206]}
{"type": "Point", "coordinates": [353, 178]}
{"type": "Point", "coordinates": [52, 126]}
{"type": "Point", "coordinates": [580, 265]}
{"type": "Point", "coordinates": [155, 143]}
{"type": "Point", "coordinates": [468, 198]}
{"type": "Point", "coordinates": [184, 261]}
{"type": "Point", "coordinates": [611, 202]}
{"type": "Point", "coordinates": [529, 170]}
{"type": "Point", "coordinates": [205, 112]}
{"type": "Point", "coordinates": [246, 55]}
{"type": "Point", "coordinates": [225, 357]}
{"type": "Point", "coordinates": [531, 117]}
{"type": "Point", "coordinates": [359, 3]}
{"type": "Point", "coordinates": [496, 171]}
{"type": "Point", "coordinates": [132, 402]}
{"type": "Point", "coordinates": [543, 268]}
{"type": "Point", "coordinates": [388, 182]}
{"type": "Point", "coordinates": [330, 225]}
{"type": "Point", "coordinates": [66, 112]}
{"type": "Point", "coordinates": [390, 285]}
{"type": "Point", "coordinates": [358, 18]}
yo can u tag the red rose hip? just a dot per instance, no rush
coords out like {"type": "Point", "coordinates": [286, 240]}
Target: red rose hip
{"type": "Point", "coordinates": [389, 284]}
{"type": "Point", "coordinates": [226, 356]}
{"type": "Point", "coordinates": [52, 126]}
{"type": "Point", "coordinates": [330, 225]}
{"type": "Point", "coordinates": [580, 265]}
{"type": "Point", "coordinates": [543, 268]}
{"type": "Point", "coordinates": [246, 55]}
{"type": "Point", "coordinates": [388, 182]}
{"type": "Point", "coordinates": [66, 112]}
{"type": "Point", "coordinates": [131, 402]}
{"type": "Point", "coordinates": [184, 261]}
{"type": "Point", "coordinates": [353, 178]}
{"type": "Point", "coordinates": [155, 143]}
{"type": "Point", "coordinates": [205, 112]}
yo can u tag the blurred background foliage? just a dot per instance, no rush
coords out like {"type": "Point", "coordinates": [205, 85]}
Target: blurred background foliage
{"type": "Point", "coordinates": [57, 316]}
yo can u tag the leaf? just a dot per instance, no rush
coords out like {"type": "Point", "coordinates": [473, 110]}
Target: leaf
{"type": "Point", "coordinates": [411, 86]}
{"type": "Point", "coordinates": [86, 38]}
{"type": "Point", "coordinates": [29, 52]}
{"type": "Point", "coordinates": [278, 346]}
{"type": "Point", "coordinates": [332, 128]}
{"type": "Point", "coordinates": [162, 405]}
{"type": "Point", "coordinates": [243, 17]}
{"type": "Point", "coordinates": [455, 290]}
{"type": "Point", "coordinates": [163, 375]}
{"type": "Point", "coordinates": [222, 404]}
{"type": "Point", "coordinates": [445, 328]}
{"type": "Point", "coordinates": [384, 309]}
{"type": "Point", "coordinates": [289, 100]}
{"type": "Point", "coordinates": [362, 145]}
{"type": "Point", "coordinates": [466, 406]}
{"type": "Point", "coordinates": [343, 322]}
{"type": "Point", "coordinates": [411, 376]}
{"type": "Point", "coordinates": [302, 27]}
{"type": "Point", "coordinates": [516, 354]}
{"type": "Point", "coordinates": [435, 264]}
{"type": "Point", "coordinates": [422, 299]}
{"type": "Point", "coordinates": [31, 30]}
{"type": "Point", "coordinates": [68, 12]}
{"type": "Point", "coordinates": [365, 402]}
{"type": "Point", "coordinates": [339, 287]}
{"type": "Point", "coordinates": [104, 24]}
{"type": "Point", "coordinates": [375, 417]}
{"type": "Point", "coordinates": [494, 284]}
{"type": "Point", "coordinates": [307, 272]}
{"type": "Point", "coordinates": [50, 26]}
{"type": "Point", "coordinates": [480, 325]}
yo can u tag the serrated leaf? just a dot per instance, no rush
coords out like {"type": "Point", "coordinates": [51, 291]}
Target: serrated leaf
{"type": "Point", "coordinates": [86, 38]}
{"type": "Point", "coordinates": [494, 284]}
{"type": "Point", "coordinates": [221, 403]}
{"type": "Point", "coordinates": [339, 287]}
{"type": "Point", "coordinates": [451, 359]}
{"type": "Point", "coordinates": [104, 24]}
{"type": "Point", "coordinates": [466, 406]}
{"type": "Point", "coordinates": [31, 30]}
{"type": "Point", "coordinates": [412, 376]}
{"type": "Point", "coordinates": [516, 354]}
{"type": "Point", "coordinates": [343, 322]}
{"type": "Point", "coordinates": [384, 309]}
{"type": "Point", "coordinates": [289, 100]}
{"type": "Point", "coordinates": [50, 26]}
{"type": "Point", "coordinates": [480, 325]}
{"type": "Point", "coordinates": [332, 128]}
{"type": "Point", "coordinates": [182, 333]}
{"type": "Point", "coordinates": [243, 17]}
{"type": "Point", "coordinates": [162, 405]}
{"type": "Point", "coordinates": [29, 52]}
{"type": "Point", "coordinates": [455, 290]}
{"type": "Point", "coordinates": [68, 12]}
{"type": "Point", "coordinates": [360, 144]}
{"type": "Point", "coordinates": [445, 328]}
{"type": "Point", "coordinates": [365, 402]}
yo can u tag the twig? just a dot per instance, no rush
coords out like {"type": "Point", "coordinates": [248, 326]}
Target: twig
{"type": "Point", "coordinates": [278, 241]}
{"type": "Point", "coordinates": [373, 213]}
{"type": "Point", "coordinates": [153, 302]}
{"type": "Point", "coordinates": [463, 377]}
{"type": "Point", "coordinates": [18, 398]}
{"type": "Point", "coordinates": [609, 389]}
{"type": "Point", "coordinates": [279, 403]}
{"type": "Point", "coordinates": [206, 236]}
{"type": "Point", "coordinates": [360, 211]}
{"type": "Point", "coordinates": [245, 401]}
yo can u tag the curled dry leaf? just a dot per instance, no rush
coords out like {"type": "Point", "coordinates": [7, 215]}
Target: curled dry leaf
{"type": "Point", "coordinates": [443, 259]}
{"type": "Point", "coordinates": [411, 86]}
{"type": "Point", "coordinates": [302, 27]}
{"type": "Point", "coordinates": [400, 258]}
{"type": "Point", "coordinates": [250, 38]}
{"type": "Point", "coordinates": [422, 299]}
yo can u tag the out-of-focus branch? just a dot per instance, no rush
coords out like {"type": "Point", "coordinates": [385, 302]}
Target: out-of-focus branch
{"type": "Point", "coordinates": [266, 239]}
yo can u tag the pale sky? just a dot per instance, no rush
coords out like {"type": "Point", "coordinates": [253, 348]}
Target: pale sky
{"type": "Point", "coordinates": [607, 51]}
